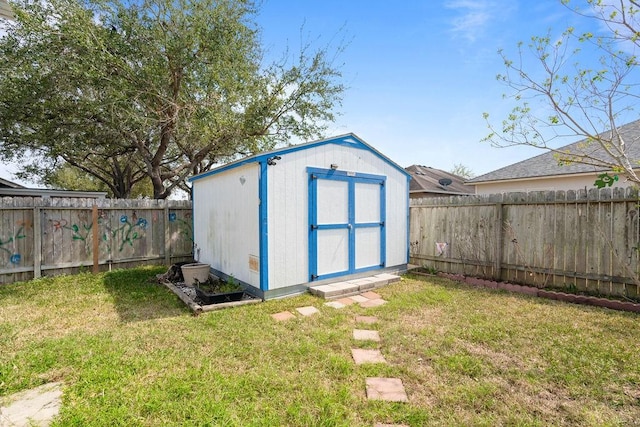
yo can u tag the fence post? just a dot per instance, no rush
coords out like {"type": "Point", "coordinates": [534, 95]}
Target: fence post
{"type": "Point", "coordinates": [167, 235]}
{"type": "Point", "coordinates": [37, 243]}
{"type": "Point", "coordinates": [96, 242]}
{"type": "Point", "coordinates": [499, 233]}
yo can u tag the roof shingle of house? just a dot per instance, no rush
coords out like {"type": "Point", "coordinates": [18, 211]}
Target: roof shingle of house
{"type": "Point", "coordinates": [425, 179]}
{"type": "Point", "coordinates": [546, 164]}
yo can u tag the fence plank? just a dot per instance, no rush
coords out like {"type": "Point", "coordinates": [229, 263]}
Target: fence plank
{"type": "Point", "coordinates": [58, 235]}
{"type": "Point", "coordinates": [584, 240]}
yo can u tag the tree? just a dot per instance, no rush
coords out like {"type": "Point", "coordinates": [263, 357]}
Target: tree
{"type": "Point", "coordinates": [585, 86]}
{"type": "Point", "coordinates": [152, 90]}
{"type": "Point", "coordinates": [462, 170]}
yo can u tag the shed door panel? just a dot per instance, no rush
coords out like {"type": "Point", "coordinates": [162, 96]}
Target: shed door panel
{"type": "Point", "coordinates": [346, 218]}
{"type": "Point", "coordinates": [333, 251]}
{"type": "Point", "coordinates": [367, 250]}
{"type": "Point", "coordinates": [333, 227]}
{"type": "Point", "coordinates": [367, 224]}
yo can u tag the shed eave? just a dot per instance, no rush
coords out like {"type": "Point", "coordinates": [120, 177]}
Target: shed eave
{"type": "Point", "coordinates": [348, 139]}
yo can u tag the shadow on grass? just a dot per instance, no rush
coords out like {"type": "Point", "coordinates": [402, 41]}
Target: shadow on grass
{"type": "Point", "coordinates": [137, 296]}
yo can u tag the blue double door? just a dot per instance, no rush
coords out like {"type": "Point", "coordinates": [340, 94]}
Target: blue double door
{"type": "Point", "coordinates": [346, 222]}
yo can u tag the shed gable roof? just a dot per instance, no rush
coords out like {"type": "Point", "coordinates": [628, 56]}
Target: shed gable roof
{"type": "Point", "coordinates": [546, 165]}
{"type": "Point", "coordinates": [425, 179]}
{"type": "Point", "coordinates": [349, 140]}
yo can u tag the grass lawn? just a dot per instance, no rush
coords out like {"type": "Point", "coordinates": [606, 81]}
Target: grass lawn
{"type": "Point", "coordinates": [129, 353]}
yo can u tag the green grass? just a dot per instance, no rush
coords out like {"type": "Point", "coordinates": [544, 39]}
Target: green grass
{"type": "Point", "coordinates": [129, 353]}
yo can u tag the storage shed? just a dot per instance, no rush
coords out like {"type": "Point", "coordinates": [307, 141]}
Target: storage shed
{"type": "Point", "coordinates": [303, 215]}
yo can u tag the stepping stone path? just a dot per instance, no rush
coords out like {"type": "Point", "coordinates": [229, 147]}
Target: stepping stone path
{"type": "Point", "coordinates": [283, 315]}
{"type": "Point", "coordinates": [367, 299]}
{"type": "Point", "coordinates": [335, 304]}
{"type": "Point", "coordinates": [361, 356]}
{"type": "Point", "coordinates": [35, 407]}
{"type": "Point", "coordinates": [387, 389]}
{"type": "Point", "coordinates": [366, 319]}
{"type": "Point", "coordinates": [390, 389]}
{"type": "Point", "coordinates": [307, 311]}
{"type": "Point", "coordinates": [366, 335]}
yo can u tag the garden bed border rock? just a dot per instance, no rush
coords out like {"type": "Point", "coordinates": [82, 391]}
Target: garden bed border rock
{"type": "Point", "coordinates": [197, 308]}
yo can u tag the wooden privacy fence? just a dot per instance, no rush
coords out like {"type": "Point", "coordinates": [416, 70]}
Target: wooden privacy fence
{"type": "Point", "coordinates": [43, 236]}
{"type": "Point", "coordinates": [577, 240]}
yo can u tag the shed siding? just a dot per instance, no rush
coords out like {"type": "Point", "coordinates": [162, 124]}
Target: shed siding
{"type": "Point", "coordinates": [288, 208]}
{"type": "Point", "coordinates": [226, 222]}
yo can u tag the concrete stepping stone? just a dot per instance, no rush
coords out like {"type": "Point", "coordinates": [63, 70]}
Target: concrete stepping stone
{"type": "Point", "coordinates": [361, 356]}
{"type": "Point", "coordinates": [307, 311]}
{"type": "Point", "coordinates": [366, 319]}
{"type": "Point", "coordinates": [373, 303]}
{"type": "Point", "coordinates": [366, 335]}
{"type": "Point", "coordinates": [359, 298]}
{"type": "Point", "coordinates": [335, 304]}
{"type": "Point", "coordinates": [346, 301]}
{"type": "Point", "coordinates": [389, 389]}
{"type": "Point", "coordinates": [35, 407]}
{"type": "Point", "coordinates": [371, 295]}
{"type": "Point", "coordinates": [283, 315]}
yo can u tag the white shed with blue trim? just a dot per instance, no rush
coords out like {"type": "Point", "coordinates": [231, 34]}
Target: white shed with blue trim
{"type": "Point", "coordinates": [282, 221]}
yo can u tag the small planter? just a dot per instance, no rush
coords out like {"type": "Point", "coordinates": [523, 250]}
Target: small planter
{"type": "Point", "coordinates": [217, 298]}
{"type": "Point", "coordinates": [195, 272]}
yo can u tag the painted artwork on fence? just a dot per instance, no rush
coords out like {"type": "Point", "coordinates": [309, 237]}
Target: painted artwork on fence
{"type": "Point", "coordinates": [48, 236]}
{"type": "Point", "coordinates": [122, 233]}
{"type": "Point", "coordinates": [10, 243]}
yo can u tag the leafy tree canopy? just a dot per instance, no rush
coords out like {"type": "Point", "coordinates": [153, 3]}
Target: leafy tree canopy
{"type": "Point", "coordinates": [132, 92]}
{"type": "Point", "coordinates": [582, 84]}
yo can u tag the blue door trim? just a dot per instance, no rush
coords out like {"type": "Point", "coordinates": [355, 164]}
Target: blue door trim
{"type": "Point", "coordinates": [351, 178]}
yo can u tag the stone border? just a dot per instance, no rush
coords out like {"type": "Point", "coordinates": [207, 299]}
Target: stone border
{"type": "Point", "coordinates": [542, 293]}
{"type": "Point", "coordinates": [197, 308]}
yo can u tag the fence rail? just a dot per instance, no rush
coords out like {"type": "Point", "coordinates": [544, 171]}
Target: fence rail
{"type": "Point", "coordinates": [41, 236]}
{"type": "Point", "coordinates": [577, 240]}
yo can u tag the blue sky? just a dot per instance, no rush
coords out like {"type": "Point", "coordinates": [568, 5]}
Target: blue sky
{"type": "Point", "coordinates": [421, 73]}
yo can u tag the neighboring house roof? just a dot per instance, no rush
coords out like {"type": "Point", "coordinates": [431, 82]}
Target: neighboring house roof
{"type": "Point", "coordinates": [42, 192]}
{"type": "Point", "coordinates": [5, 183]}
{"type": "Point", "coordinates": [425, 179]}
{"type": "Point", "coordinates": [12, 189]}
{"type": "Point", "coordinates": [5, 10]}
{"type": "Point", "coordinates": [547, 164]}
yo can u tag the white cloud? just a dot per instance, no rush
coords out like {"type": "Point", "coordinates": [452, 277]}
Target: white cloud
{"type": "Point", "coordinates": [473, 17]}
